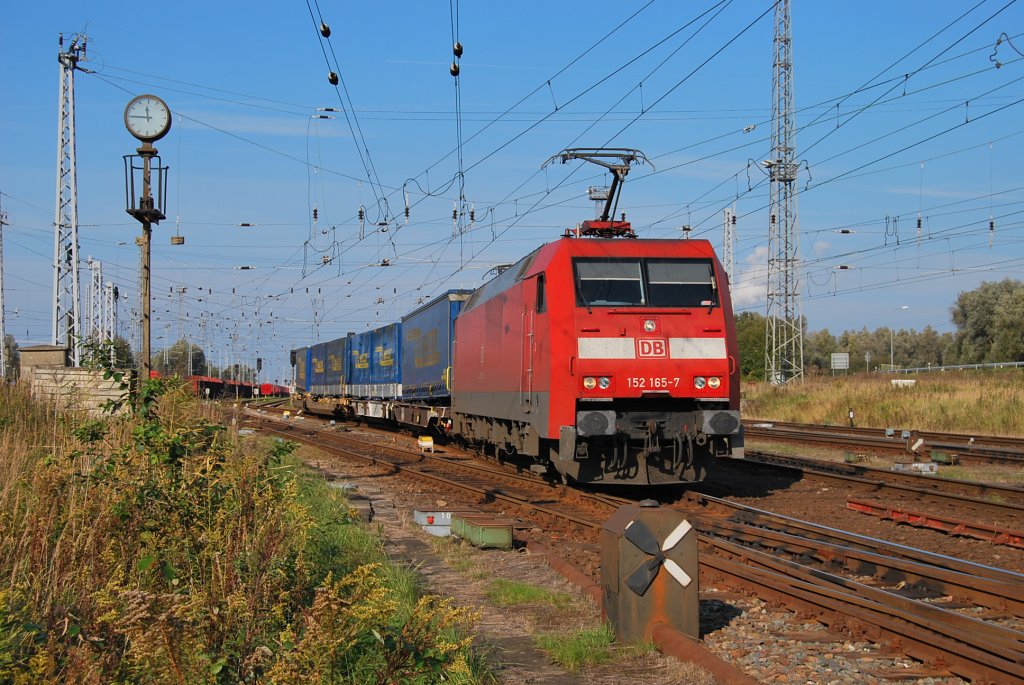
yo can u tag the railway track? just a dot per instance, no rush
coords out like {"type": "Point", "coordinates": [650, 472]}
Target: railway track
{"type": "Point", "coordinates": [490, 483]}
{"type": "Point", "coordinates": [936, 446]}
{"type": "Point", "coordinates": [983, 511]}
{"type": "Point", "coordinates": [954, 616]}
{"type": "Point", "coordinates": [1004, 493]}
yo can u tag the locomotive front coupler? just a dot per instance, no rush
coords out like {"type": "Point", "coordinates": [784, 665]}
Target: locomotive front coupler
{"type": "Point", "coordinates": [652, 445]}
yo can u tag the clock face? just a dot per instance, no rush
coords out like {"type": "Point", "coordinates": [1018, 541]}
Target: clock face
{"type": "Point", "coordinates": [147, 117]}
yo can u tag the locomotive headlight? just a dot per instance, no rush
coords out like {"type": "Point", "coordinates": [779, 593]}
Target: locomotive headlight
{"type": "Point", "coordinates": [589, 382]}
{"type": "Point", "coordinates": [714, 382]}
{"type": "Point", "coordinates": [604, 382]}
{"type": "Point", "coordinates": [650, 326]}
{"type": "Point", "coordinates": [699, 382]}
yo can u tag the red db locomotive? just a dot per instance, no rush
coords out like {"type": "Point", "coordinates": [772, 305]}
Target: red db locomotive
{"type": "Point", "coordinates": [608, 358]}
{"type": "Point", "coordinates": [602, 357]}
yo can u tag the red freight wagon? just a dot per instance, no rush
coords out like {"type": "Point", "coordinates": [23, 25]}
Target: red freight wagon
{"type": "Point", "coordinates": [237, 389]}
{"type": "Point", "coordinates": [206, 386]}
{"type": "Point", "coordinates": [272, 390]}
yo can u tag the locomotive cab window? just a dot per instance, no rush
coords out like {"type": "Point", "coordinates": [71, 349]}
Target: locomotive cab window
{"type": "Point", "coordinates": [681, 283]}
{"type": "Point", "coordinates": [609, 282]}
{"type": "Point", "coordinates": [645, 282]}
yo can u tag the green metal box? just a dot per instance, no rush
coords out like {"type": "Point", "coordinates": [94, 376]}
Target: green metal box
{"type": "Point", "coordinates": [438, 523]}
{"type": "Point", "coordinates": [483, 531]}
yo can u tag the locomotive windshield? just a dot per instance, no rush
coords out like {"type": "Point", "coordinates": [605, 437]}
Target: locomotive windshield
{"type": "Point", "coordinates": [606, 282]}
{"type": "Point", "coordinates": [611, 282]}
{"type": "Point", "coordinates": [681, 283]}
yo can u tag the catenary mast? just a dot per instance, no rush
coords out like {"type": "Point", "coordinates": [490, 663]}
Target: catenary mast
{"type": "Point", "coordinates": [66, 290]}
{"type": "Point", "coordinates": [729, 242]}
{"type": "Point", "coordinates": [3, 331]}
{"type": "Point", "coordinates": [784, 349]}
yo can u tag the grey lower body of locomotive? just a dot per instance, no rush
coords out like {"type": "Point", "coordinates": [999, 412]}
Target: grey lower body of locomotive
{"type": "Point", "coordinates": [627, 442]}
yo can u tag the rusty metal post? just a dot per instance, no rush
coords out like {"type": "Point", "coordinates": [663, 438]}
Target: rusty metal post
{"type": "Point", "coordinates": [146, 203]}
{"type": "Point", "coordinates": [649, 572]}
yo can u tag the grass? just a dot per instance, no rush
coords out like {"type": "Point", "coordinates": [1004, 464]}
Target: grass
{"type": "Point", "coordinates": [977, 402]}
{"type": "Point", "coordinates": [502, 592]}
{"type": "Point", "coordinates": [1004, 475]}
{"type": "Point", "coordinates": [579, 649]}
{"type": "Point", "coordinates": [157, 547]}
{"type": "Point", "coordinates": [456, 554]}
{"type": "Point", "coordinates": [574, 649]}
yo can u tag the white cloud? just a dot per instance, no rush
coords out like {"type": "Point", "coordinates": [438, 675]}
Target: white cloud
{"type": "Point", "coordinates": [750, 285]}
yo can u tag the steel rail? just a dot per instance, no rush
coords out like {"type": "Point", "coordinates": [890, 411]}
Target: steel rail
{"type": "Point", "coordinates": [907, 575]}
{"type": "Point", "coordinates": [947, 524]}
{"type": "Point", "coordinates": [989, 508]}
{"type": "Point", "coordinates": [1008, 493]}
{"type": "Point", "coordinates": [957, 439]}
{"type": "Point", "coordinates": [994, 449]}
{"type": "Point", "coordinates": [889, 615]}
{"type": "Point", "coordinates": [826, 534]}
{"type": "Point", "coordinates": [485, 492]}
{"type": "Point", "coordinates": [916, 632]}
{"type": "Point", "coordinates": [1007, 642]}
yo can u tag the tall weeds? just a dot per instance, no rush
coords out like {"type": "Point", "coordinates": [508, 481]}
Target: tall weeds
{"type": "Point", "coordinates": [155, 548]}
{"type": "Point", "coordinates": [980, 402]}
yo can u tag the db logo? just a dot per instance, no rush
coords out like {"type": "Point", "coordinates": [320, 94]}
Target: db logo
{"type": "Point", "coordinates": [657, 348]}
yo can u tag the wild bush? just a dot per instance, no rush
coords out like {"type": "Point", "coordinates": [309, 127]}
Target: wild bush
{"type": "Point", "coordinates": [154, 547]}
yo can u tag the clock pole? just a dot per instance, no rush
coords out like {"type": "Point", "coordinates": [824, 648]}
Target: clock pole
{"type": "Point", "coordinates": [148, 118]}
{"type": "Point", "coordinates": [147, 152]}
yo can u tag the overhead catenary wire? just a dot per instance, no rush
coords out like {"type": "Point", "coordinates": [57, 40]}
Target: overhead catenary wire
{"type": "Point", "coordinates": [523, 209]}
{"type": "Point", "coordinates": [896, 82]}
{"type": "Point", "coordinates": [337, 80]}
{"type": "Point", "coordinates": [535, 205]}
{"type": "Point", "coordinates": [589, 48]}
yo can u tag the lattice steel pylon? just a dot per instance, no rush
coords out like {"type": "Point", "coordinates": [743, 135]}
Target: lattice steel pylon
{"type": "Point", "coordinates": [3, 329]}
{"type": "Point", "coordinates": [110, 298]}
{"type": "Point", "coordinates": [729, 242]}
{"type": "Point", "coordinates": [94, 311]}
{"type": "Point", "coordinates": [784, 347]}
{"type": "Point", "coordinates": [66, 292]}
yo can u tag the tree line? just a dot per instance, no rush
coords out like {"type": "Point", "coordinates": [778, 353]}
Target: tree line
{"type": "Point", "coordinates": [173, 361]}
{"type": "Point", "coordinates": [989, 323]}
{"type": "Point", "coordinates": [184, 358]}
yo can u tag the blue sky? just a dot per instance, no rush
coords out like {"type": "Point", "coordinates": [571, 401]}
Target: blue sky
{"type": "Point", "coordinates": [901, 113]}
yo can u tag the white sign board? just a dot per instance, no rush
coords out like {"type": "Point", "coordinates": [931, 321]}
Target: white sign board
{"type": "Point", "coordinates": [840, 361]}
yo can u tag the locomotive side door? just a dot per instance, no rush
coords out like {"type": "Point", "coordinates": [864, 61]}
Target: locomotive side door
{"type": "Point", "coordinates": [532, 289]}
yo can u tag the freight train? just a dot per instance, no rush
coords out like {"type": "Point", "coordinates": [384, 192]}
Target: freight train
{"type": "Point", "coordinates": [216, 388]}
{"type": "Point", "coordinates": [601, 357]}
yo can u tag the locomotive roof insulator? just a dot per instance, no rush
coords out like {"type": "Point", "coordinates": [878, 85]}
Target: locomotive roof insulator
{"type": "Point", "coordinates": [607, 229]}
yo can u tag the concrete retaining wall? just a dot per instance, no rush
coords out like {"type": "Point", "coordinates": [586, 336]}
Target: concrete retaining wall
{"type": "Point", "coordinates": [75, 389]}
